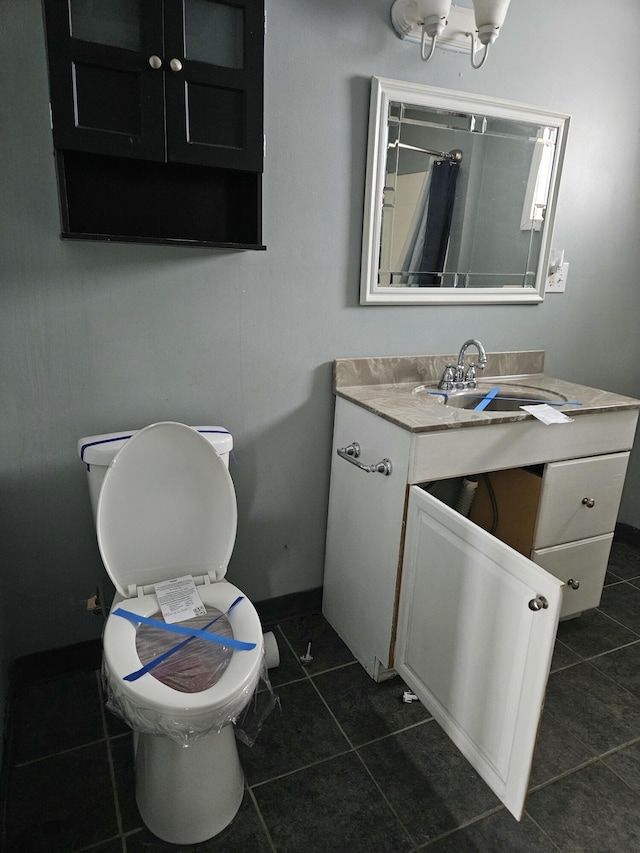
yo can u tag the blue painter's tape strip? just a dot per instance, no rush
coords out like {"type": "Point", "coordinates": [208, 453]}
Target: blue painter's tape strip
{"type": "Point", "coordinates": [187, 632]}
{"type": "Point", "coordinates": [134, 676]}
{"type": "Point", "coordinates": [127, 436]}
{"type": "Point", "coordinates": [487, 399]}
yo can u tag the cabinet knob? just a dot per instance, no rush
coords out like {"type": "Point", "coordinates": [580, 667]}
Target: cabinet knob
{"type": "Point", "coordinates": [574, 584]}
{"type": "Point", "coordinates": [538, 603]}
{"type": "Point", "coordinates": [155, 61]}
{"type": "Point", "coordinates": [589, 502]}
{"type": "Point", "coordinates": [175, 65]}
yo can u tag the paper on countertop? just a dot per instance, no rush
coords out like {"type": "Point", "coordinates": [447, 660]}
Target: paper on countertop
{"type": "Point", "coordinates": [547, 414]}
{"type": "Point", "coordinates": [179, 600]}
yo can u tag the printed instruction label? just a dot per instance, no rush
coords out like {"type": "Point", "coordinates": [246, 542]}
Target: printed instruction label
{"type": "Point", "coordinates": [179, 599]}
{"type": "Point", "coordinates": [547, 414]}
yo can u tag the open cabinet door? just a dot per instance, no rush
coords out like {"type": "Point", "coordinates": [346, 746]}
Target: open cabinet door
{"type": "Point", "coordinates": [469, 643]}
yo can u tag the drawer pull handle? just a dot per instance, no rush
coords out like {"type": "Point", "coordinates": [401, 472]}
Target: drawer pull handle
{"type": "Point", "coordinates": [574, 584]}
{"type": "Point", "coordinates": [352, 452]}
{"type": "Point", "coordinates": [175, 65]}
{"type": "Point", "coordinates": [589, 502]}
{"type": "Point", "coordinates": [538, 603]}
{"type": "Point", "coordinates": [155, 62]}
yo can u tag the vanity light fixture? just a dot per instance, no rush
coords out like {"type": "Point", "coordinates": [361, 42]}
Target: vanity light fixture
{"type": "Point", "coordinates": [449, 26]}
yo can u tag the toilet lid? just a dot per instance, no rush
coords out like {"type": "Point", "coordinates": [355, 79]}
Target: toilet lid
{"type": "Point", "coordinates": [167, 508]}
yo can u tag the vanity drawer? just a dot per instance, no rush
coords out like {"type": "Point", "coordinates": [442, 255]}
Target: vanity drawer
{"type": "Point", "coordinates": [579, 499]}
{"type": "Point", "coordinates": [582, 566]}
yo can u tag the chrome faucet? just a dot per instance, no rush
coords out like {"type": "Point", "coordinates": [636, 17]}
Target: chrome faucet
{"type": "Point", "coordinates": [459, 378]}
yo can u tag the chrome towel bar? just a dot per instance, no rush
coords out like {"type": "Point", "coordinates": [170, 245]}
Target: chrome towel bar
{"type": "Point", "coordinates": [352, 453]}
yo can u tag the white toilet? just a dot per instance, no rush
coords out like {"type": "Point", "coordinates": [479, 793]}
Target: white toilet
{"type": "Point", "coordinates": [165, 507]}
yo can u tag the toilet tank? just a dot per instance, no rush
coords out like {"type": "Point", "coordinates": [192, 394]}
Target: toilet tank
{"type": "Point", "coordinates": [97, 452]}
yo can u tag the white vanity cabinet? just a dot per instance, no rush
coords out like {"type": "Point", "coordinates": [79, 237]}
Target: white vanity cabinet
{"type": "Point", "coordinates": [414, 587]}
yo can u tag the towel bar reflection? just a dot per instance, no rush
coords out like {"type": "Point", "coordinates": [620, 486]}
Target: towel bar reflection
{"type": "Point", "coordinates": [352, 453]}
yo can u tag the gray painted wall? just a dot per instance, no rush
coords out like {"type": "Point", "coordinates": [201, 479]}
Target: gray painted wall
{"type": "Point", "coordinates": [99, 337]}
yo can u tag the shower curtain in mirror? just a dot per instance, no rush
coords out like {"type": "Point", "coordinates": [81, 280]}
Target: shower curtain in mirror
{"type": "Point", "coordinates": [427, 246]}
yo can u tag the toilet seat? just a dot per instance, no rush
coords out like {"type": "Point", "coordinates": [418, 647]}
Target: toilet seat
{"type": "Point", "coordinates": [167, 508]}
{"type": "Point", "coordinates": [240, 677]}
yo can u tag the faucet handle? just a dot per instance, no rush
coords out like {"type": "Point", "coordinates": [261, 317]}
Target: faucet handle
{"type": "Point", "coordinates": [470, 380]}
{"type": "Point", "coordinates": [448, 378]}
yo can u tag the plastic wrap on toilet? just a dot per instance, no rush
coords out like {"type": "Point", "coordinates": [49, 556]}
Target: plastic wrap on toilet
{"type": "Point", "coordinates": [195, 667]}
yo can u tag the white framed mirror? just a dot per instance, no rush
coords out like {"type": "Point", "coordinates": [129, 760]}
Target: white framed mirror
{"type": "Point", "coordinates": [460, 197]}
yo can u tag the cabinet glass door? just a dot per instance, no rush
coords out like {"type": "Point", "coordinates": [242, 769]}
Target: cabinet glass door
{"type": "Point", "coordinates": [476, 629]}
{"type": "Point", "coordinates": [214, 67]}
{"type": "Point", "coordinates": [113, 22]}
{"type": "Point", "coordinates": [214, 33]}
{"type": "Point", "coordinates": [105, 75]}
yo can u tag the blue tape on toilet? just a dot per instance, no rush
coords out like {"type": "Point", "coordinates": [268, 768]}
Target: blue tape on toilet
{"type": "Point", "coordinates": [134, 676]}
{"type": "Point", "coordinates": [188, 632]}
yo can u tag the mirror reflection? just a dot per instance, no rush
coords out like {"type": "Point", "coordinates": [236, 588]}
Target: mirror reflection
{"type": "Point", "coordinates": [460, 194]}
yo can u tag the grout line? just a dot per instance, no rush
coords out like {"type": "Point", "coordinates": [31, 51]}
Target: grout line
{"type": "Point", "coordinates": [386, 800]}
{"type": "Point", "coordinates": [100, 844]}
{"type": "Point", "coordinates": [60, 752]}
{"type": "Point", "coordinates": [496, 810]}
{"type": "Point", "coordinates": [261, 819]}
{"type": "Point", "coordinates": [543, 831]}
{"type": "Point", "coordinates": [302, 767]}
{"type": "Point", "coordinates": [112, 771]}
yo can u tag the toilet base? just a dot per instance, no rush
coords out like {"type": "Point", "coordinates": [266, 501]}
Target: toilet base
{"type": "Point", "coordinates": [188, 794]}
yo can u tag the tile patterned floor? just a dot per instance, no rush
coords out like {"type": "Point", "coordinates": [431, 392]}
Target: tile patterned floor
{"type": "Point", "coordinates": [347, 766]}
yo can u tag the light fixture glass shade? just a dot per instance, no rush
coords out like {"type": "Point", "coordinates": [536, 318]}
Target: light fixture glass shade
{"type": "Point", "coordinates": [490, 15]}
{"type": "Point", "coordinates": [434, 8]}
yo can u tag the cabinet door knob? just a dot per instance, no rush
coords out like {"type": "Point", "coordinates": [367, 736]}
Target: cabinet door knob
{"type": "Point", "coordinates": [588, 502]}
{"type": "Point", "coordinates": [574, 584]}
{"type": "Point", "coordinates": [175, 65]}
{"type": "Point", "coordinates": [155, 61]}
{"type": "Point", "coordinates": [538, 603]}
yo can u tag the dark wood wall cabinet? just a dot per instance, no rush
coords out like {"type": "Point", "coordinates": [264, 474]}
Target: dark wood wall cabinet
{"type": "Point", "coordinates": [157, 119]}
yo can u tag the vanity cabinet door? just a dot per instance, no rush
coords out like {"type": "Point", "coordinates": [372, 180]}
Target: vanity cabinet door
{"type": "Point", "coordinates": [471, 643]}
{"type": "Point", "coordinates": [580, 499]}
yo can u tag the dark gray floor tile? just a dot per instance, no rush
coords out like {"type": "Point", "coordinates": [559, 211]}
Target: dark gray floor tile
{"type": "Point", "coordinates": [429, 783]}
{"type": "Point", "coordinates": [622, 666]}
{"type": "Point", "coordinates": [364, 709]}
{"type": "Point", "coordinates": [498, 833]}
{"type": "Point", "coordinates": [327, 649]}
{"type": "Point", "coordinates": [626, 765]}
{"type": "Point", "coordinates": [622, 603]}
{"type": "Point", "coordinates": [590, 810]}
{"type": "Point", "coordinates": [245, 834]}
{"type": "Point", "coordinates": [302, 733]}
{"type": "Point", "coordinates": [563, 656]}
{"type": "Point", "coordinates": [558, 750]}
{"type": "Point", "coordinates": [593, 633]}
{"type": "Point", "coordinates": [61, 803]}
{"type": "Point", "coordinates": [604, 716]}
{"type": "Point", "coordinates": [54, 715]}
{"type": "Point", "coordinates": [624, 561]}
{"type": "Point", "coordinates": [333, 806]}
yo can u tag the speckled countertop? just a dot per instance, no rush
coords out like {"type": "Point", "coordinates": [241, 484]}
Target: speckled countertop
{"type": "Point", "coordinates": [387, 387]}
